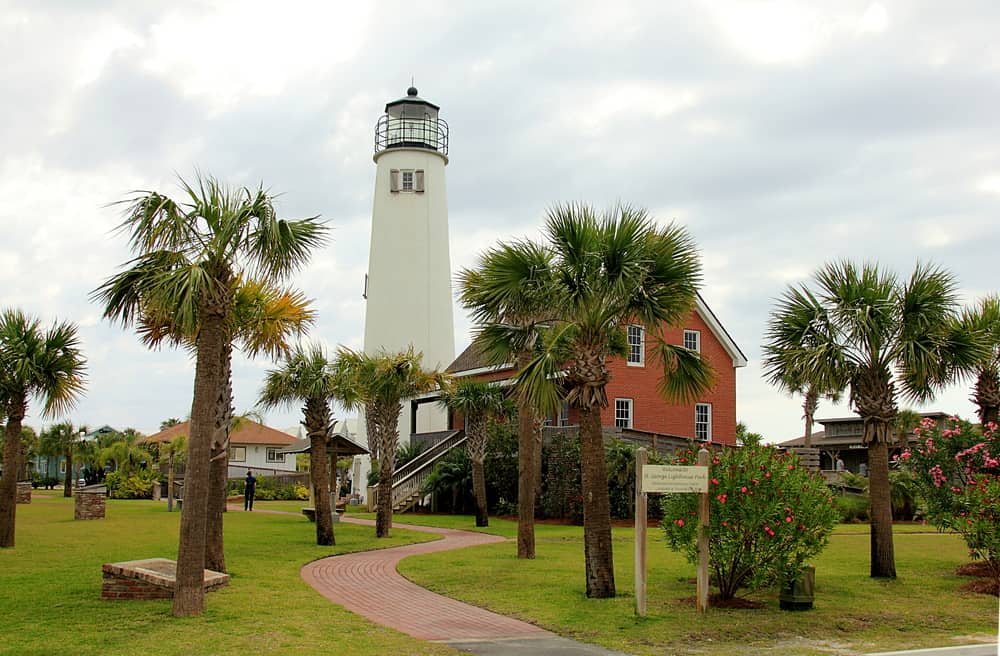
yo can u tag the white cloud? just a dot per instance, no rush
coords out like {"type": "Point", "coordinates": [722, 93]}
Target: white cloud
{"type": "Point", "coordinates": [874, 20]}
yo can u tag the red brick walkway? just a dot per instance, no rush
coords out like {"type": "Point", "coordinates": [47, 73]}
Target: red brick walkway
{"type": "Point", "coordinates": [367, 583]}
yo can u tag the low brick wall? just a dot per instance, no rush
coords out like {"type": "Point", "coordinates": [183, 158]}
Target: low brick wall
{"type": "Point", "coordinates": [151, 578]}
{"type": "Point", "coordinates": [90, 505]}
{"type": "Point", "coordinates": [24, 493]}
{"type": "Point", "coordinates": [118, 587]}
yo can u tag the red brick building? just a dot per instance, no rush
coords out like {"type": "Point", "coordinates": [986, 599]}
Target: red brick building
{"type": "Point", "coordinates": [634, 405]}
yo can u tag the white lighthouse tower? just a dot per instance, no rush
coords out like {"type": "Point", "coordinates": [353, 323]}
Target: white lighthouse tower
{"type": "Point", "coordinates": [408, 288]}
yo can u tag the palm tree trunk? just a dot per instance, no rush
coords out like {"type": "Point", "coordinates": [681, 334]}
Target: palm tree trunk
{"type": "Point", "coordinates": [170, 481]}
{"type": "Point", "coordinates": [525, 479]}
{"type": "Point", "coordinates": [218, 476]}
{"type": "Point", "coordinates": [189, 594]}
{"type": "Point", "coordinates": [479, 488]}
{"type": "Point", "coordinates": [215, 552]}
{"type": "Point", "coordinates": [383, 517]}
{"type": "Point", "coordinates": [808, 412]}
{"type": "Point", "coordinates": [537, 456]}
{"type": "Point", "coordinates": [15, 412]}
{"type": "Point", "coordinates": [319, 473]}
{"type": "Point", "coordinates": [987, 396]}
{"type": "Point", "coordinates": [68, 480]}
{"type": "Point", "coordinates": [883, 564]}
{"type": "Point", "coordinates": [597, 550]}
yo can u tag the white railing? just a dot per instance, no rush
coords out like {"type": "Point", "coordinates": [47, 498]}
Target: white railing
{"type": "Point", "coordinates": [408, 479]}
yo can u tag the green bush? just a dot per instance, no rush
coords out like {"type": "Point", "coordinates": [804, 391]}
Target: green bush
{"type": "Point", "coordinates": [138, 485]}
{"type": "Point", "coordinates": [269, 488]}
{"type": "Point", "coordinates": [853, 508]}
{"type": "Point", "coordinates": [768, 516]}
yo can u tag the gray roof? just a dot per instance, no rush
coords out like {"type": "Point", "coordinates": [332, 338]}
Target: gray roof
{"type": "Point", "coordinates": [344, 446]}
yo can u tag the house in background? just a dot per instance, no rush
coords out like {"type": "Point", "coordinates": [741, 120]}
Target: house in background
{"type": "Point", "coordinates": [252, 446]}
{"type": "Point", "coordinates": [841, 437]}
{"type": "Point", "coordinates": [54, 466]}
{"type": "Point", "coordinates": [636, 411]}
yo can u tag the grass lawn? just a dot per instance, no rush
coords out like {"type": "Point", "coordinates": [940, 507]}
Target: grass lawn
{"type": "Point", "coordinates": [51, 586]}
{"type": "Point", "coordinates": [853, 613]}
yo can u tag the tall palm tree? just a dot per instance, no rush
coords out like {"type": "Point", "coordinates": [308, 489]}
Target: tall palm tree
{"type": "Point", "coordinates": [984, 320]}
{"type": "Point", "coordinates": [377, 383]}
{"type": "Point", "coordinates": [882, 335]}
{"type": "Point", "coordinates": [801, 324]}
{"type": "Point", "coordinates": [479, 404]}
{"type": "Point", "coordinates": [173, 453]}
{"type": "Point", "coordinates": [307, 376]}
{"type": "Point", "coordinates": [507, 294]}
{"type": "Point", "coordinates": [189, 259]}
{"type": "Point", "coordinates": [606, 271]}
{"type": "Point", "coordinates": [35, 364]}
{"type": "Point", "coordinates": [264, 319]}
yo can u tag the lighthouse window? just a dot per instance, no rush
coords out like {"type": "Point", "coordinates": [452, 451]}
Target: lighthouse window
{"type": "Point", "coordinates": [407, 180]}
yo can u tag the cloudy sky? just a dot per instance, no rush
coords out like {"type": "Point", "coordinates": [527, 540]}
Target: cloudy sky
{"type": "Point", "coordinates": [781, 134]}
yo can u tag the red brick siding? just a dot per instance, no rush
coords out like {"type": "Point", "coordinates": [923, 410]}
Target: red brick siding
{"type": "Point", "coordinates": [651, 413]}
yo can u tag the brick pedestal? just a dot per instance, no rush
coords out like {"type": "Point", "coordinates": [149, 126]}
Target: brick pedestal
{"type": "Point", "coordinates": [152, 578]}
{"type": "Point", "coordinates": [90, 505]}
{"type": "Point", "coordinates": [24, 493]}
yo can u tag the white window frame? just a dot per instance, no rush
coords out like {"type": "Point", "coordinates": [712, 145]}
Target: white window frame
{"type": "Point", "coordinates": [272, 454]}
{"type": "Point", "coordinates": [623, 420]}
{"type": "Point", "coordinates": [233, 450]}
{"type": "Point", "coordinates": [641, 362]}
{"type": "Point", "coordinates": [563, 418]}
{"type": "Point", "coordinates": [705, 408]}
{"type": "Point", "coordinates": [695, 336]}
{"type": "Point", "coordinates": [403, 173]}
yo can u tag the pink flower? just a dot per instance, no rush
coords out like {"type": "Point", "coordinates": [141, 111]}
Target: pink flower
{"type": "Point", "coordinates": [715, 481]}
{"type": "Point", "coordinates": [791, 467]}
{"type": "Point", "coordinates": [767, 475]}
{"type": "Point", "coordinates": [743, 489]}
{"type": "Point", "coordinates": [722, 498]}
{"type": "Point", "coordinates": [788, 520]}
{"type": "Point", "coordinates": [725, 523]}
{"type": "Point", "coordinates": [679, 522]}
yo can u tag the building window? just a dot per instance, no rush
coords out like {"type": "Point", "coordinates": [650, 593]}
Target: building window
{"type": "Point", "coordinates": [703, 421]}
{"type": "Point", "coordinates": [274, 455]}
{"type": "Point", "coordinates": [237, 454]}
{"type": "Point", "coordinates": [692, 340]}
{"type": "Point", "coordinates": [623, 413]}
{"type": "Point", "coordinates": [560, 419]}
{"type": "Point", "coordinates": [62, 466]}
{"type": "Point", "coordinates": [407, 180]}
{"type": "Point", "coordinates": [636, 346]}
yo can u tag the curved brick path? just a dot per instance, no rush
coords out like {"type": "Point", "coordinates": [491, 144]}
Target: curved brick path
{"type": "Point", "coordinates": [367, 583]}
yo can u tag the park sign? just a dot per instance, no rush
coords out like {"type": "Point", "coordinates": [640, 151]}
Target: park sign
{"type": "Point", "coordinates": [675, 479]}
{"type": "Point", "coordinates": [670, 479]}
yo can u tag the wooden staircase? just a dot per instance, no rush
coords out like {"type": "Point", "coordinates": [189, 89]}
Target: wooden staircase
{"type": "Point", "coordinates": [408, 479]}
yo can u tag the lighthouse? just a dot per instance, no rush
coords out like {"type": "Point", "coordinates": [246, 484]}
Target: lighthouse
{"type": "Point", "coordinates": [408, 286]}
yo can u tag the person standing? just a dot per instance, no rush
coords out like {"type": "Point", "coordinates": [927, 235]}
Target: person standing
{"type": "Point", "coordinates": [249, 490]}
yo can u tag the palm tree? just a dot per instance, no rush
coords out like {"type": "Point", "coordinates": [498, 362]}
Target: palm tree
{"type": "Point", "coordinates": [62, 439]}
{"type": "Point", "coordinates": [377, 383]}
{"type": "Point", "coordinates": [308, 377]}
{"type": "Point", "coordinates": [883, 336]}
{"type": "Point", "coordinates": [801, 325]}
{"type": "Point", "coordinates": [189, 260]}
{"type": "Point", "coordinates": [35, 364]}
{"type": "Point", "coordinates": [507, 294]}
{"type": "Point", "coordinates": [479, 404]}
{"type": "Point", "coordinates": [605, 272]}
{"type": "Point", "coordinates": [264, 319]}
{"type": "Point", "coordinates": [125, 452]}
{"type": "Point", "coordinates": [173, 453]}
{"type": "Point", "coordinates": [984, 320]}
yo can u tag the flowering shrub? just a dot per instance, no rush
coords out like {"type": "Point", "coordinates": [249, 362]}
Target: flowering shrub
{"type": "Point", "coordinates": [957, 468]}
{"type": "Point", "coordinates": [768, 516]}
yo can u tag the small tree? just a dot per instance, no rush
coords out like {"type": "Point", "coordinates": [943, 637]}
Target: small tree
{"type": "Point", "coordinates": [769, 515]}
{"type": "Point", "coordinates": [173, 452]}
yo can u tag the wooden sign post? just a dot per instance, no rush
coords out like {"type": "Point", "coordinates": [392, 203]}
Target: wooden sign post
{"type": "Point", "coordinates": [670, 479]}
